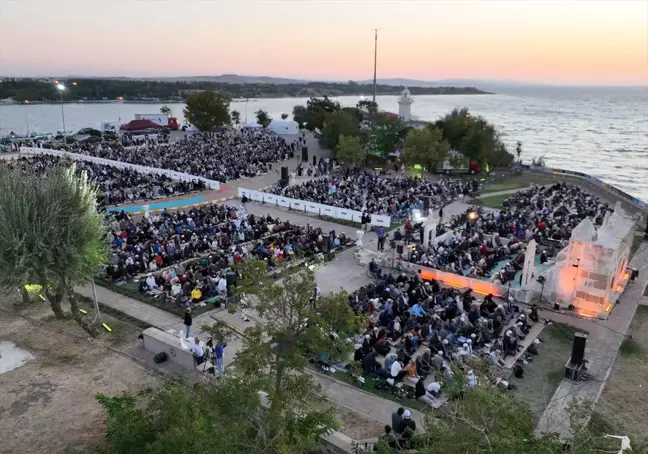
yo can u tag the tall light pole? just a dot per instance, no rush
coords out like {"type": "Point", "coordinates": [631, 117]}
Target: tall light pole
{"type": "Point", "coordinates": [61, 89]}
{"type": "Point", "coordinates": [26, 117]}
{"type": "Point", "coordinates": [375, 62]}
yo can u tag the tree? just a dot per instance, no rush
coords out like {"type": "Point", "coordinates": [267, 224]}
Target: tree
{"type": "Point", "coordinates": [53, 234]}
{"type": "Point", "coordinates": [474, 137]}
{"type": "Point", "coordinates": [263, 118]}
{"type": "Point", "coordinates": [337, 124]}
{"type": "Point", "coordinates": [300, 115]}
{"type": "Point", "coordinates": [367, 107]}
{"type": "Point", "coordinates": [518, 150]}
{"type": "Point", "coordinates": [207, 110]}
{"type": "Point", "coordinates": [350, 151]}
{"type": "Point", "coordinates": [426, 147]}
{"type": "Point", "coordinates": [166, 110]}
{"type": "Point", "coordinates": [236, 117]}
{"type": "Point", "coordinates": [318, 109]}
{"type": "Point", "coordinates": [389, 133]}
{"type": "Point", "coordinates": [284, 116]}
{"type": "Point", "coordinates": [296, 326]}
{"type": "Point", "coordinates": [228, 418]}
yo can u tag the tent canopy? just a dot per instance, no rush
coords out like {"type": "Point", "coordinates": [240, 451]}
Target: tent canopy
{"type": "Point", "coordinates": [252, 125]}
{"type": "Point", "coordinates": [284, 127]}
{"type": "Point", "coordinates": [139, 125]}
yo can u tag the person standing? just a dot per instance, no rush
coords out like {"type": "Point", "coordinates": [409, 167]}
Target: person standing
{"type": "Point", "coordinates": [380, 233]}
{"type": "Point", "coordinates": [397, 419]}
{"type": "Point", "coordinates": [198, 351]}
{"type": "Point", "coordinates": [187, 322]}
{"type": "Point", "coordinates": [218, 354]}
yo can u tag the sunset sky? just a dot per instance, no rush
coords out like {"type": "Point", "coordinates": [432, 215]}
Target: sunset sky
{"type": "Point", "coordinates": [593, 42]}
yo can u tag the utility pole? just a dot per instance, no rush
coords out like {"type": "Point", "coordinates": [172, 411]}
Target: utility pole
{"type": "Point", "coordinates": [375, 62]}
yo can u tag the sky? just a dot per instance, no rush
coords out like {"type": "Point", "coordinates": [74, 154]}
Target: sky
{"type": "Point", "coordinates": [588, 42]}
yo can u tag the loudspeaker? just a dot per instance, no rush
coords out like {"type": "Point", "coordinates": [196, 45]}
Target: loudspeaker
{"type": "Point", "coordinates": [399, 249]}
{"type": "Point", "coordinates": [230, 278]}
{"type": "Point", "coordinates": [326, 241]}
{"type": "Point", "coordinates": [314, 160]}
{"type": "Point", "coordinates": [426, 204]}
{"type": "Point", "coordinates": [284, 173]}
{"type": "Point", "coordinates": [578, 349]}
{"type": "Point", "coordinates": [305, 154]}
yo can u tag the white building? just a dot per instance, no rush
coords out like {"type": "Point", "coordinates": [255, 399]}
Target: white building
{"type": "Point", "coordinates": [590, 273]}
{"type": "Point", "coordinates": [405, 105]}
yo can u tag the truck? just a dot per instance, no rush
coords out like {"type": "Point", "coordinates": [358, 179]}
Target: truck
{"type": "Point", "coordinates": [160, 119]}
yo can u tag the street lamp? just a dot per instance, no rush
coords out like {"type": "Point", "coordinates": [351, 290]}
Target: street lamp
{"type": "Point", "coordinates": [61, 89]}
{"type": "Point", "coordinates": [26, 116]}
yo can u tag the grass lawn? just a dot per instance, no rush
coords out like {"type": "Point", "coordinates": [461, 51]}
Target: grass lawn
{"type": "Point", "coordinates": [624, 403]}
{"type": "Point", "coordinates": [518, 181]}
{"type": "Point", "coordinates": [544, 374]}
{"type": "Point", "coordinates": [370, 387]}
{"type": "Point", "coordinates": [491, 202]}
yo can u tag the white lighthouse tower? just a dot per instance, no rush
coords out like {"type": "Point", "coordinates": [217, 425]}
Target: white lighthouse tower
{"type": "Point", "coordinates": [405, 105]}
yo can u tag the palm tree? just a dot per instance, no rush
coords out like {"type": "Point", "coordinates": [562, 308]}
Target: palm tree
{"type": "Point", "coordinates": [166, 110]}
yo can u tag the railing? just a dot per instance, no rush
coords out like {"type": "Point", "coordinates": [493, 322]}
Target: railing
{"type": "Point", "coordinates": [171, 174]}
{"type": "Point", "coordinates": [311, 207]}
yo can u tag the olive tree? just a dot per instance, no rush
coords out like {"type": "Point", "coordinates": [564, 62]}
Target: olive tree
{"type": "Point", "coordinates": [52, 234]}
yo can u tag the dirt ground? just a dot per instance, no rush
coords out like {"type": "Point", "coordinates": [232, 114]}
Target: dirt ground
{"type": "Point", "coordinates": [48, 404]}
{"type": "Point", "coordinates": [544, 374]}
{"type": "Point", "coordinates": [356, 426]}
{"type": "Point", "coordinates": [624, 403]}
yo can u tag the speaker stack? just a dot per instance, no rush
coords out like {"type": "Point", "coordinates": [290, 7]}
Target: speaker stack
{"type": "Point", "coordinates": [314, 160]}
{"type": "Point", "coordinates": [576, 364]}
{"type": "Point", "coordinates": [426, 205]}
{"type": "Point", "coordinates": [305, 154]}
{"type": "Point", "coordinates": [284, 177]}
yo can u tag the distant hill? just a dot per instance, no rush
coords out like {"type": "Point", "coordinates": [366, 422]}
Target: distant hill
{"type": "Point", "coordinates": [483, 84]}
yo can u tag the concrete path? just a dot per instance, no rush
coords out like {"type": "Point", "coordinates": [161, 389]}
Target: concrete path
{"type": "Point", "coordinates": [603, 343]}
{"type": "Point", "coordinates": [496, 193]}
{"type": "Point", "coordinates": [131, 307]}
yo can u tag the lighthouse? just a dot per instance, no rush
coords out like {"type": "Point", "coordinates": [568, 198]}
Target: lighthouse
{"type": "Point", "coordinates": [405, 105]}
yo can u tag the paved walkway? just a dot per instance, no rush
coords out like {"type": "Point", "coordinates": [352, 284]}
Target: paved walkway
{"type": "Point", "coordinates": [603, 343]}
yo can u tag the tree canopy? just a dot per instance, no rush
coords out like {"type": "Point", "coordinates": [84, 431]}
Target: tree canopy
{"type": "Point", "coordinates": [53, 234]}
{"type": "Point", "coordinates": [337, 124]}
{"type": "Point", "coordinates": [426, 147]}
{"type": "Point", "coordinates": [350, 151]}
{"type": "Point", "coordinates": [236, 117]}
{"type": "Point", "coordinates": [207, 110]}
{"type": "Point", "coordinates": [166, 110]}
{"type": "Point", "coordinates": [263, 118]}
{"type": "Point", "coordinates": [474, 137]}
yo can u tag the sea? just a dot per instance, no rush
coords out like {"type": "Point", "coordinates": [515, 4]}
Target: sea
{"type": "Point", "coordinates": [601, 131]}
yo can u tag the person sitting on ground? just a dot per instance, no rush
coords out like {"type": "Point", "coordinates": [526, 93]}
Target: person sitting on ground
{"type": "Point", "coordinates": [412, 373]}
{"type": "Point", "coordinates": [389, 438]}
{"type": "Point", "coordinates": [397, 371]}
{"type": "Point", "coordinates": [382, 346]}
{"type": "Point", "coordinates": [422, 394]}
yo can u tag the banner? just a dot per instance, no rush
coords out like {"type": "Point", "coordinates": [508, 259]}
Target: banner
{"type": "Point", "coordinates": [298, 205]}
{"type": "Point", "coordinates": [270, 198]}
{"type": "Point", "coordinates": [343, 213]}
{"type": "Point", "coordinates": [313, 207]}
{"type": "Point", "coordinates": [283, 202]}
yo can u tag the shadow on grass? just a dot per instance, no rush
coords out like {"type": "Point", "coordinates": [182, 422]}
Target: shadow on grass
{"type": "Point", "coordinates": [631, 348]}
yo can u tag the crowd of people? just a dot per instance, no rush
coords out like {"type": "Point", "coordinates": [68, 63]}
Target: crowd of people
{"type": "Point", "coordinates": [116, 186]}
{"type": "Point", "coordinates": [373, 192]}
{"type": "Point", "coordinates": [159, 249]}
{"type": "Point", "coordinates": [220, 156]}
{"type": "Point", "coordinates": [490, 244]}
{"type": "Point", "coordinates": [427, 337]}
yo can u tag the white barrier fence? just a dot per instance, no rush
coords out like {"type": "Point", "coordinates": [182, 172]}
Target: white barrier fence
{"type": "Point", "coordinates": [173, 175]}
{"type": "Point", "coordinates": [311, 207]}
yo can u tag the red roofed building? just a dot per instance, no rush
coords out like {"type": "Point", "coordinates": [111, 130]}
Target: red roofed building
{"type": "Point", "coordinates": [139, 125]}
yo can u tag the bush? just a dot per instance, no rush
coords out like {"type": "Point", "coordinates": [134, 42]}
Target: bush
{"type": "Point", "coordinates": [94, 133]}
{"type": "Point", "coordinates": [110, 136]}
{"type": "Point", "coordinates": [70, 140]}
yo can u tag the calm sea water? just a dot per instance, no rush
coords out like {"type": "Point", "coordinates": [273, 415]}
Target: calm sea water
{"type": "Point", "coordinates": [599, 131]}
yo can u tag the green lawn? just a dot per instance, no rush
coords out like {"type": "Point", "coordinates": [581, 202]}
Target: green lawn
{"type": "Point", "coordinates": [518, 181]}
{"type": "Point", "coordinates": [543, 376]}
{"type": "Point", "coordinates": [625, 397]}
{"type": "Point", "coordinates": [491, 202]}
{"type": "Point", "coordinates": [370, 387]}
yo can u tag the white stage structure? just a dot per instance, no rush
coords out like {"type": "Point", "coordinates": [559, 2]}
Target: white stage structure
{"type": "Point", "coordinates": [590, 273]}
